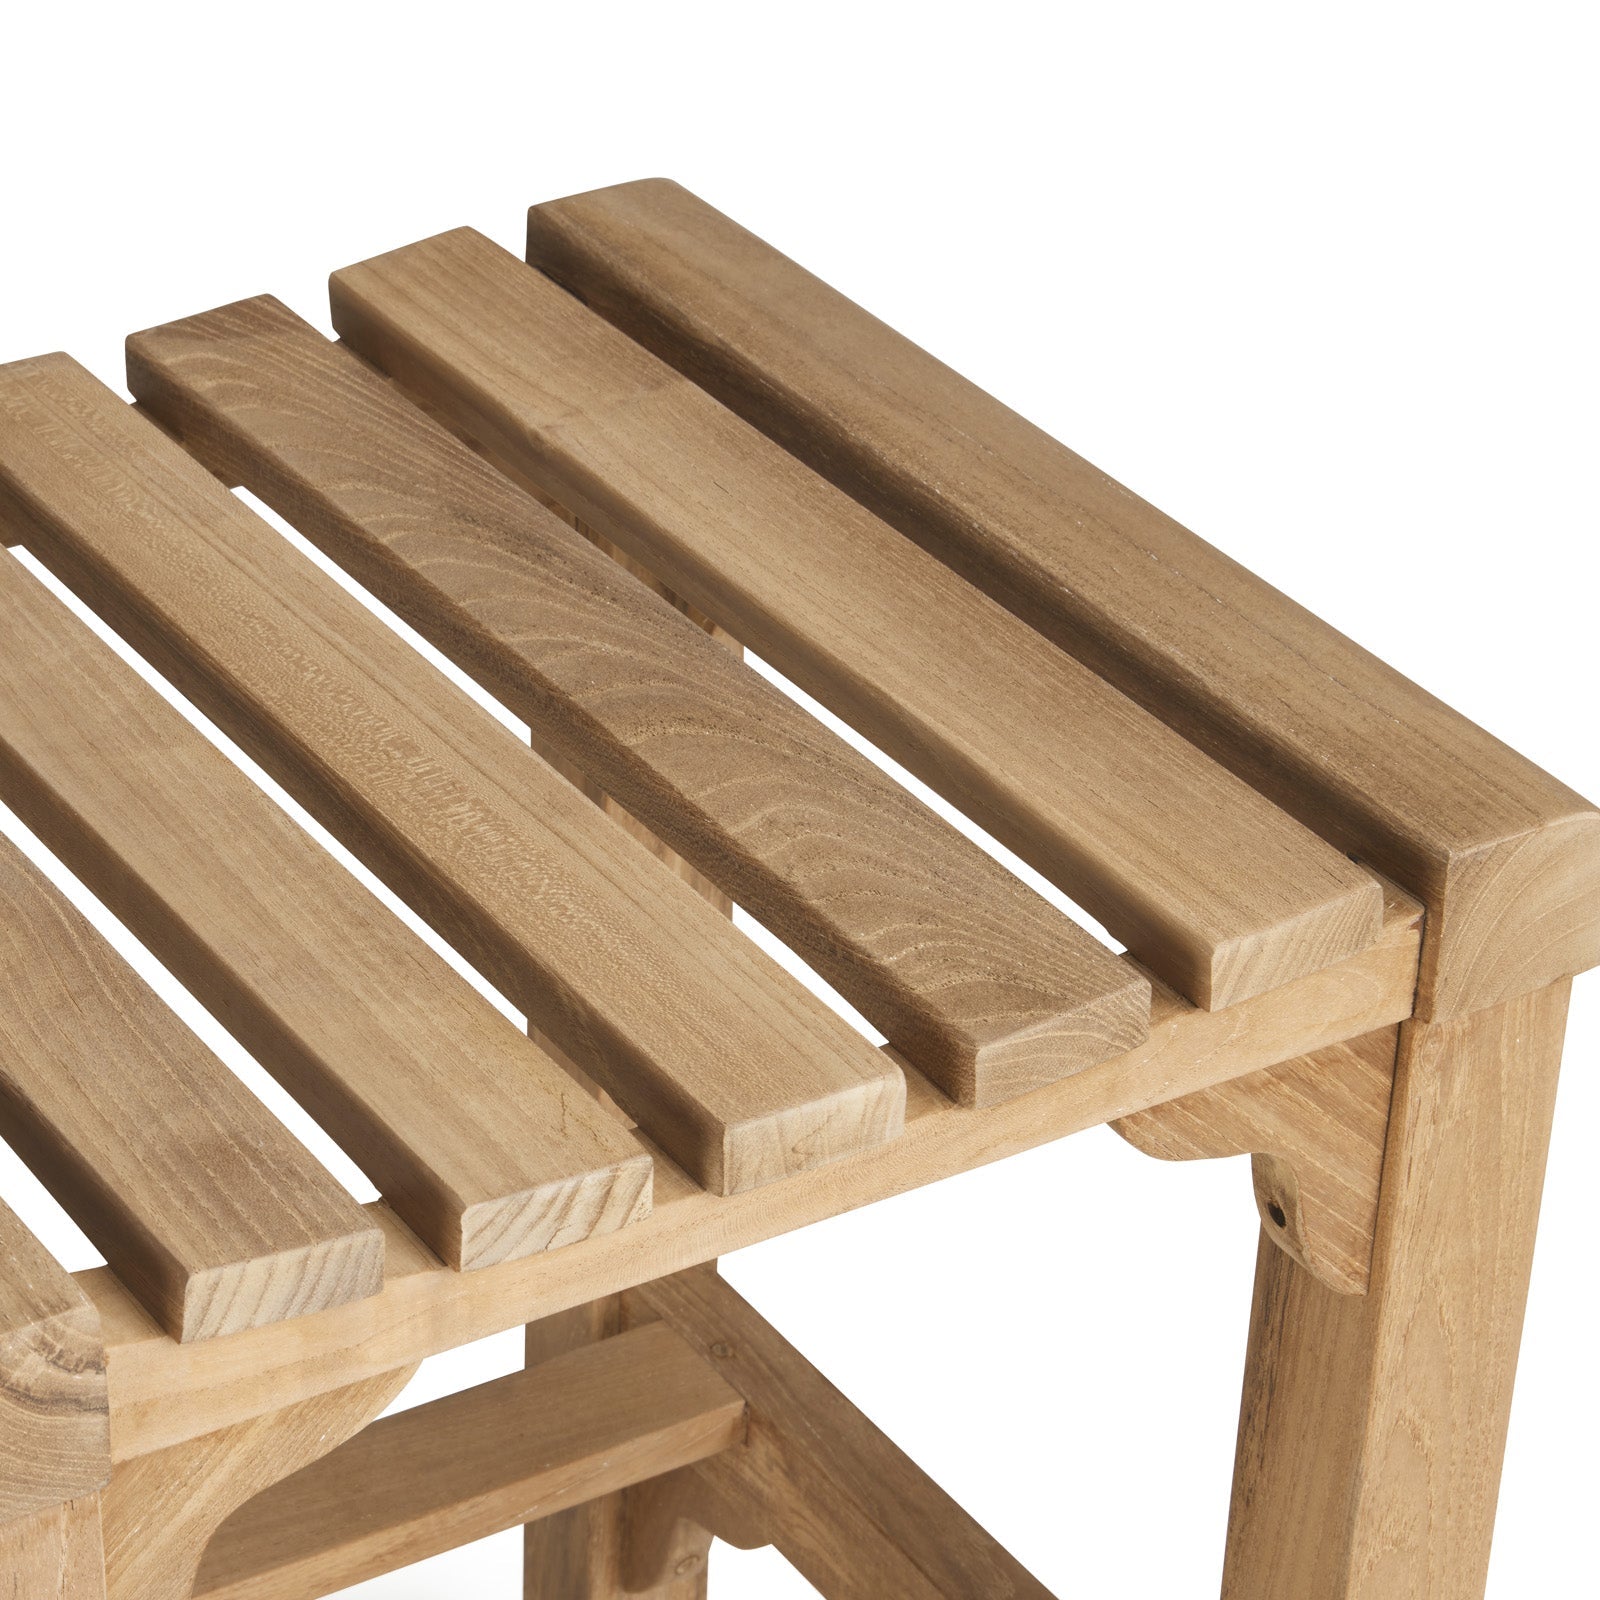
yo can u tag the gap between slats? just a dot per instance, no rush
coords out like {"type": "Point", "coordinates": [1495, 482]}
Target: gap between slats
{"type": "Point", "coordinates": [519, 730]}
{"type": "Point", "coordinates": [968, 973]}
{"type": "Point", "coordinates": [1215, 888]}
{"type": "Point", "coordinates": [734, 1068]}
{"type": "Point", "coordinates": [509, 1197]}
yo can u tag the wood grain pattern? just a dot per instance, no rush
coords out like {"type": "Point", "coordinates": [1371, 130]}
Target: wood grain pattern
{"type": "Point", "coordinates": [1507, 859]}
{"type": "Point", "coordinates": [201, 1201]}
{"type": "Point", "coordinates": [613, 808]}
{"type": "Point", "coordinates": [668, 1554]}
{"type": "Point", "coordinates": [590, 1551]}
{"type": "Point", "coordinates": [54, 1436]}
{"type": "Point", "coordinates": [161, 1511]}
{"type": "Point", "coordinates": [481, 1142]}
{"type": "Point", "coordinates": [733, 1067]}
{"type": "Point", "coordinates": [577, 1552]}
{"type": "Point", "coordinates": [1373, 1427]}
{"type": "Point", "coordinates": [842, 1503]}
{"type": "Point", "coordinates": [1315, 1127]}
{"type": "Point", "coordinates": [163, 1391]}
{"type": "Point", "coordinates": [475, 1463]}
{"type": "Point", "coordinates": [54, 1554]}
{"type": "Point", "coordinates": [1209, 885]}
{"type": "Point", "coordinates": [969, 974]}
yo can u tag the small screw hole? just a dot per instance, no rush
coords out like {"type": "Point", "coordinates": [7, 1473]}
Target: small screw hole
{"type": "Point", "coordinates": [1276, 1212]}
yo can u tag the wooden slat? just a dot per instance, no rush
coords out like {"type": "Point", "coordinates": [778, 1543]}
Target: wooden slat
{"type": "Point", "coordinates": [54, 1438]}
{"type": "Point", "coordinates": [970, 975]}
{"type": "Point", "coordinates": [1507, 858]}
{"type": "Point", "coordinates": [733, 1067]}
{"type": "Point", "coordinates": [481, 1142]}
{"type": "Point", "coordinates": [163, 1391]}
{"type": "Point", "coordinates": [203, 1203]}
{"type": "Point", "coordinates": [476, 1463]}
{"type": "Point", "coordinates": [1208, 883]}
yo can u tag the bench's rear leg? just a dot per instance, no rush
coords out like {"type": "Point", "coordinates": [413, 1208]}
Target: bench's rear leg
{"type": "Point", "coordinates": [1373, 1427]}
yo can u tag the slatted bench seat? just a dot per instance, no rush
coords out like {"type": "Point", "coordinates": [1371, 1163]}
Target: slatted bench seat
{"type": "Point", "coordinates": [1336, 927]}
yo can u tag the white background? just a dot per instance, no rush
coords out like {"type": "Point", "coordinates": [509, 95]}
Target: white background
{"type": "Point", "coordinates": [1319, 281]}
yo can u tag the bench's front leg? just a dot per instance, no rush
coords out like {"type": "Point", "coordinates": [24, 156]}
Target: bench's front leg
{"type": "Point", "coordinates": [1373, 1427]}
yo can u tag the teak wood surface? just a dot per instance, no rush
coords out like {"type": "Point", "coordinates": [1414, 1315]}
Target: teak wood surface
{"type": "Point", "coordinates": [1202, 879]}
{"type": "Point", "coordinates": [1506, 858]}
{"type": "Point", "coordinates": [1352, 921]}
{"type": "Point", "coordinates": [203, 1204]}
{"type": "Point", "coordinates": [786, 818]}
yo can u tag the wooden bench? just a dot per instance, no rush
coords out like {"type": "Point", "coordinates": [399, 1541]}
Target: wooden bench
{"type": "Point", "coordinates": [1350, 920]}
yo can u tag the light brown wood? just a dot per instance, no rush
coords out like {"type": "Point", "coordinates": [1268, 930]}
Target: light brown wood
{"type": "Point", "coordinates": [842, 1503]}
{"type": "Point", "coordinates": [54, 1439]}
{"type": "Point", "coordinates": [575, 1553]}
{"type": "Point", "coordinates": [969, 974]}
{"type": "Point", "coordinates": [1315, 1127]}
{"type": "Point", "coordinates": [162, 1391]}
{"type": "Point", "coordinates": [1206, 882]}
{"type": "Point", "coordinates": [1373, 1428]}
{"type": "Point", "coordinates": [590, 1552]}
{"type": "Point", "coordinates": [732, 1066]}
{"type": "Point", "coordinates": [54, 1554]}
{"type": "Point", "coordinates": [668, 1554]}
{"type": "Point", "coordinates": [161, 1511]}
{"type": "Point", "coordinates": [1507, 859]}
{"type": "Point", "coordinates": [482, 1143]}
{"type": "Point", "coordinates": [587, 1423]}
{"type": "Point", "coordinates": [201, 1201]}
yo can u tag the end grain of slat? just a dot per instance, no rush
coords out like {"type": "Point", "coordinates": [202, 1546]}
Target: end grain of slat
{"type": "Point", "coordinates": [163, 1391]}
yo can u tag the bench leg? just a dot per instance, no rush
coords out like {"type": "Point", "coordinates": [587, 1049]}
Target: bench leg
{"type": "Point", "coordinates": [161, 1510]}
{"type": "Point", "coordinates": [54, 1554]}
{"type": "Point", "coordinates": [582, 1554]}
{"type": "Point", "coordinates": [1373, 1427]}
{"type": "Point", "coordinates": [815, 1478]}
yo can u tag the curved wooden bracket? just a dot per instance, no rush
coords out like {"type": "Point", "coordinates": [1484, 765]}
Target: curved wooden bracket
{"type": "Point", "coordinates": [1316, 1127]}
{"type": "Point", "coordinates": [160, 1510]}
